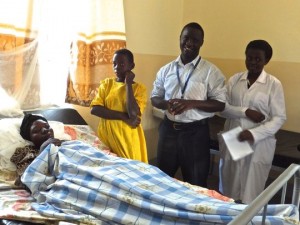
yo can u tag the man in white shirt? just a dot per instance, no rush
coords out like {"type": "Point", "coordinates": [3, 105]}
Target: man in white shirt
{"type": "Point", "coordinates": [190, 89]}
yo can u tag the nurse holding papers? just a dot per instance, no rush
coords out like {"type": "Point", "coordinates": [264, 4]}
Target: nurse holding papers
{"type": "Point", "coordinates": [237, 149]}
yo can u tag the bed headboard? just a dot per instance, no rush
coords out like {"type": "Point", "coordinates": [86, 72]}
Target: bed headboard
{"type": "Point", "coordinates": [64, 115]}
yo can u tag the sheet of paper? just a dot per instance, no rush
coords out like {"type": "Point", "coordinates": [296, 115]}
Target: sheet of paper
{"type": "Point", "coordinates": [236, 148]}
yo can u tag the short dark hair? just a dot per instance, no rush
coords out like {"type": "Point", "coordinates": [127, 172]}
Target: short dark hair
{"type": "Point", "coordinates": [261, 45]}
{"type": "Point", "coordinates": [194, 25]}
{"type": "Point", "coordinates": [26, 124]}
{"type": "Point", "coordinates": [127, 53]}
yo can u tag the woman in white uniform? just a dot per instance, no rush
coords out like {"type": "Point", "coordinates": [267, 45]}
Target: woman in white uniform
{"type": "Point", "coordinates": [255, 101]}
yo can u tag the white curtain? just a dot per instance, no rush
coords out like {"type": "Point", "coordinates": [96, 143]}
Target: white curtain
{"type": "Point", "coordinates": [19, 74]}
{"type": "Point", "coordinates": [36, 38]}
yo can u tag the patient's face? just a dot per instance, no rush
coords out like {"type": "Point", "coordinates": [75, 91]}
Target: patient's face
{"type": "Point", "coordinates": [40, 132]}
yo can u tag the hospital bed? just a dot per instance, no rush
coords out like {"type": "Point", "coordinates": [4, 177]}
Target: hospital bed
{"type": "Point", "coordinates": [13, 210]}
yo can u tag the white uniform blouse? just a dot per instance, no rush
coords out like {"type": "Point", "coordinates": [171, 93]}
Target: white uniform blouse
{"type": "Point", "coordinates": [265, 95]}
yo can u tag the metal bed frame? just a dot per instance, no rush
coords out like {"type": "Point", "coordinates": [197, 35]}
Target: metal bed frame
{"type": "Point", "coordinates": [262, 200]}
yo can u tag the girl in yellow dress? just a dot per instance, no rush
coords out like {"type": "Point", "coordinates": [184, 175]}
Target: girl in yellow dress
{"type": "Point", "coordinates": [120, 103]}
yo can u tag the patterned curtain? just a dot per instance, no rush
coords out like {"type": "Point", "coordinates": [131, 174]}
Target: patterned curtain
{"type": "Point", "coordinates": [99, 36]}
{"type": "Point", "coordinates": [37, 37]}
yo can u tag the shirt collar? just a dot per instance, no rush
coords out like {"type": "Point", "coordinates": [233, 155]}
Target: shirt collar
{"type": "Point", "coordinates": [179, 62]}
{"type": "Point", "coordinates": [261, 78]}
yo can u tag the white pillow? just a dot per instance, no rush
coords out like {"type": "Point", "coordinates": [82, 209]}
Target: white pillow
{"type": "Point", "coordinates": [10, 139]}
{"type": "Point", "coordinates": [9, 107]}
{"type": "Point", "coordinates": [59, 130]}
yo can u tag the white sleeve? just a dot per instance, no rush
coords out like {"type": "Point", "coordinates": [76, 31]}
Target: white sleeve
{"type": "Point", "coordinates": [278, 115]}
{"type": "Point", "coordinates": [158, 85]}
{"type": "Point", "coordinates": [230, 111]}
{"type": "Point", "coordinates": [216, 86]}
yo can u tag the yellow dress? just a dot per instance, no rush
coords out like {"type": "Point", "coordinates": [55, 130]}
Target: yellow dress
{"type": "Point", "coordinates": [125, 141]}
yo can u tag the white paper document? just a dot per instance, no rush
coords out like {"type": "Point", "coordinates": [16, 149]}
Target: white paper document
{"type": "Point", "coordinates": [238, 149]}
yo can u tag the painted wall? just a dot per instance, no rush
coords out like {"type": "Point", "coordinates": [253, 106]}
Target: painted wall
{"type": "Point", "coordinates": [153, 28]}
{"type": "Point", "coordinates": [230, 25]}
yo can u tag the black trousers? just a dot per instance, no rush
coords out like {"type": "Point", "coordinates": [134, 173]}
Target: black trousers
{"type": "Point", "coordinates": [185, 146]}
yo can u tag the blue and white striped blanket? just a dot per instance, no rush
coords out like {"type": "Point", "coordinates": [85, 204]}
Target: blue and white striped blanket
{"type": "Point", "coordinates": [79, 183]}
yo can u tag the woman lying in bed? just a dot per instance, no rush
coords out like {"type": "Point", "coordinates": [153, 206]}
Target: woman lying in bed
{"type": "Point", "coordinates": [71, 180]}
{"type": "Point", "coordinates": [36, 129]}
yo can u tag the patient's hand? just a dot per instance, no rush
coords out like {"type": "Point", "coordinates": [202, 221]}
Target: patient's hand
{"type": "Point", "coordinates": [55, 141]}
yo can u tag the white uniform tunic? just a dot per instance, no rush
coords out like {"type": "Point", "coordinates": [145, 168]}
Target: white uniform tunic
{"type": "Point", "coordinates": [245, 179]}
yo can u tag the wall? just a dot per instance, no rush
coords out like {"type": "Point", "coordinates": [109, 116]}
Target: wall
{"type": "Point", "coordinates": [153, 28]}
{"type": "Point", "coordinates": [230, 25]}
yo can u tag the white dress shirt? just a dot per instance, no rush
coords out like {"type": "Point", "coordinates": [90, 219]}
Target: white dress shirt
{"type": "Point", "coordinates": [206, 82]}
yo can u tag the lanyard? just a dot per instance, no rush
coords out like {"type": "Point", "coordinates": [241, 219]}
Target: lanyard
{"type": "Point", "coordinates": [188, 78]}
